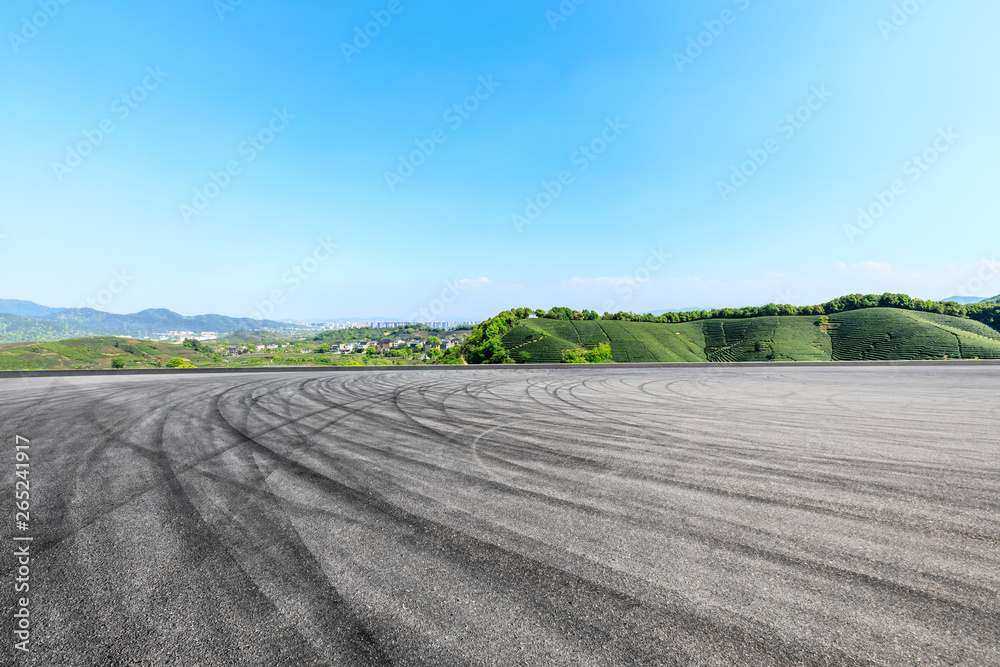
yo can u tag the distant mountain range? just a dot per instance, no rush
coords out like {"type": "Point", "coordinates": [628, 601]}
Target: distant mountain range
{"type": "Point", "coordinates": [29, 321]}
{"type": "Point", "coordinates": [966, 300]}
{"type": "Point", "coordinates": [26, 308]}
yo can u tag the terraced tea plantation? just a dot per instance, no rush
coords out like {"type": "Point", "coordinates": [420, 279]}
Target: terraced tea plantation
{"type": "Point", "coordinates": [859, 335]}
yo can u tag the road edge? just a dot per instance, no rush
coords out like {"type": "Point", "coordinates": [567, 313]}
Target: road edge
{"type": "Point", "coordinates": [511, 367]}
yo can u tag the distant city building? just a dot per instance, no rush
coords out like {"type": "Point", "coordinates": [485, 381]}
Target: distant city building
{"type": "Point", "coordinates": [391, 324]}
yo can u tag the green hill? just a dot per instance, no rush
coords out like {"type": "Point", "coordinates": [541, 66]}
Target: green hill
{"type": "Point", "coordinates": [863, 334]}
{"type": "Point", "coordinates": [94, 353]}
{"type": "Point", "coordinates": [17, 328]}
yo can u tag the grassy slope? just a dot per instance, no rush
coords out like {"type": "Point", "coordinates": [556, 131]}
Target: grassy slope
{"type": "Point", "coordinates": [870, 334]}
{"type": "Point", "coordinates": [83, 353]}
{"type": "Point", "coordinates": [97, 352]}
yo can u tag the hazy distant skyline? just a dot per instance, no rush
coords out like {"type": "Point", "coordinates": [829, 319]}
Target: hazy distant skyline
{"type": "Point", "coordinates": [243, 158]}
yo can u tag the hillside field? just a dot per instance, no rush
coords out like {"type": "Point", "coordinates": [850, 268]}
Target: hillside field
{"type": "Point", "coordinates": [98, 352]}
{"type": "Point", "coordinates": [93, 353]}
{"type": "Point", "coordinates": [859, 335]}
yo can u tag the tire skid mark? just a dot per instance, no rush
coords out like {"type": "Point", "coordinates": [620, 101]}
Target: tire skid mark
{"type": "Point", "coordinates": [283, 485]}
{"type": "Point", "coordinates": [467, 551]}
{"type": "Point", "coordinates": [199, 542]}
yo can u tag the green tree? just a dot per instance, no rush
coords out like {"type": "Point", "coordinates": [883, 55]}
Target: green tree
{"type": "Point", "coordinates": [454, 356]}
{"type": "Point", "coordinates": [600, 354]}
{"type": "Point", "coordinates": [485, 345]}
{"type": "Point", "coordinates": [175, 362]}
{"type": "Point", "coordinates": [561, 313]}
{"type": "Point", "coordinates": [118, 362]}
{"type": "Point", "coordinates": [596, 355]}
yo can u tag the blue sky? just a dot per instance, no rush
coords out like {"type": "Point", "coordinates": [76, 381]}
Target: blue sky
{"type": "Point", "coordinates": [710, 154]}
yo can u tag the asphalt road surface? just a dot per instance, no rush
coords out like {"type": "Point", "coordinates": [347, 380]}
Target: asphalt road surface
{"type": "Point", "coordinates": [584, 516]}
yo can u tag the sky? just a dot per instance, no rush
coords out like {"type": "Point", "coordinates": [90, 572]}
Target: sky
{"type": "Point", "coordinates": [417, 160]}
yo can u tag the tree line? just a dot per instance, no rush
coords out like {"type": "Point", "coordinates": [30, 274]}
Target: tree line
{"type": "Point", "coordinates": [986, 313]}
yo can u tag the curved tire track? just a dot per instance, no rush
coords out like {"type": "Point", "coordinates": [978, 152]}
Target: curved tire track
{"type": "Point", "coordinates": [530, 516]}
